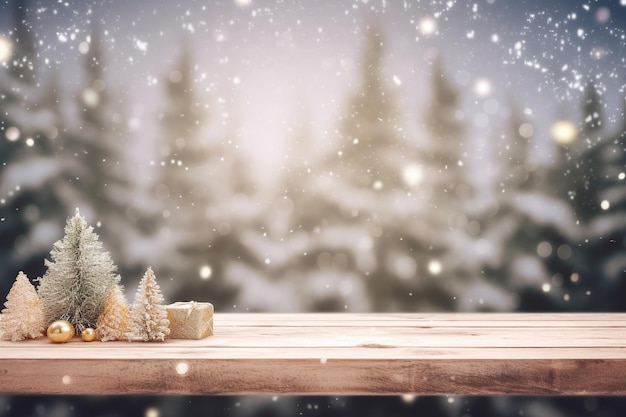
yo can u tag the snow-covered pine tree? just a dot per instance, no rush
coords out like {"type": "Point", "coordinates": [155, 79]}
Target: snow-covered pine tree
{"type": "Point", "coordinates": [114, 322]}
{"type": "Point", "coordinates": [597, 194]}
{"type": "Point", "coordinates": [355, 210]}
{"type": "Point", "coordinates": [607, 231]}
{"type": "Point", "coordinates": [446, 154]}
{"type": "Point", "coordinates": [182, 192]}
{"type": "Point", "coordinates": [196, 222]}
{"type": "Point", "coordinates": [22, 317]}
{"type": "Point", "coordinates": [529, 221]}
{"type": "Point", "coordinates": [439, 235]}
{"type": "Point", "coordinates": [372, 150]}
{"type": "Point", "coordinates": [148, 315]}
{"type": "Point", "coordinates": [371, 201]}
{"type": "Point", "coordinates": [182, 150]}
{"type": "Point", "coordinates": [585, 160]}
{"type": "Point", "coordinates": [32, 189]}
{"type": "Point", "coordinates": [96, 151]}
{"type": "Point", "coordinates": [231, 210]}
{"type": "Point", "coordinates": [79, 278]}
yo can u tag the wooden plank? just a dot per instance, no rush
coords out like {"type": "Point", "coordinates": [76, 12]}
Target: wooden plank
{"type": "Point", "coordinates": [447, 337]}
{"type": "Point", "coordinates": [341, 376]}
{"type": "Point", "coordinates": [180, 350]}
{"type": "Point", "coordinates": [426, 320]}
{"type": "Point", "coordinates": [571, 354]}
{"type": "Point", "coordinates": [233, 318]}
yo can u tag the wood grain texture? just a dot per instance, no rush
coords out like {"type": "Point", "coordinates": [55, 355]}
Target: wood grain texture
{"type": "Point", "coordinates": [538, 354]}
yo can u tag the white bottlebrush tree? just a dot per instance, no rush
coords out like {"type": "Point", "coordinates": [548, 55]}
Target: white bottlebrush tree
{"type": "Point", "coordinates": [79, 278]}
{"type": "Point", "coordinates": [22, 317]}
{"type": "Point", "coordinates": [149, 316]}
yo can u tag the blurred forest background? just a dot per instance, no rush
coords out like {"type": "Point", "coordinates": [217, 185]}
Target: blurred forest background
{"type": "Point", "coordinates": [376, 218]}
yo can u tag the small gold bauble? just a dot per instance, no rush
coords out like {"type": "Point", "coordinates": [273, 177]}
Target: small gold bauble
{"type": "Point", "coordinates": [88, 335]}
{"type": "Point", "coordinates": [60, 331]}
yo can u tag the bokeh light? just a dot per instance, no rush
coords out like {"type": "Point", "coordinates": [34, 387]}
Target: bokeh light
{"type": "Point", "coordinates": [205, 272]}
{"type": "Point", "coordinates": [482, 87]}
{"type": "Point", "coordinates": [435, 267]}
{"type": "Point", "coordinates": [526, 130]}
{"type": "Point", "coordinates": [152, 412]}
{"type": "Point", "coordinates": [544, 249]}
{"type": "Point", "coordinates": [90, 97]}
{"type": "Point", "coordinates": [182, 368]}
{"type": "Point", "coordinates": [428, 26]}
{"type": "Point", "coordinates": [603, 15]}
{"type": "Point", "coordinates": [6, 49]}
{"type": "Point", "coordinates": [605, 205]}
{"type": "Point", "coordinates": [564, 132]}
{"type": "Point", "coordinates": [83, 47]}
{"type": "Point", "coordinates": [12, 134]}
{"type": "Point", "coordinates": [412, 175]}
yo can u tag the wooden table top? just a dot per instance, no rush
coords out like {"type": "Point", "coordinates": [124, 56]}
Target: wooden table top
{"type": "Point", "coordinates": [340, 354]}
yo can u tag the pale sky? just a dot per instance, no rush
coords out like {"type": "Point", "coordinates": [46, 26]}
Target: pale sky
{"type": "Point", "coordinates": [267, 62]}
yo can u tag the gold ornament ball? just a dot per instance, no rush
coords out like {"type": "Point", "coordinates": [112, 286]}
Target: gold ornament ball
{"type": "Point", "coordinates": [60, 331]}
{"type": "Point", "coordinates": [88, 335]}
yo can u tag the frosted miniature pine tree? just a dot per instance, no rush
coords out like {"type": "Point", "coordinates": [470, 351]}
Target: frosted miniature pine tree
{"type": "Point", "coordinates": [114, 322]}
{"type": "Point", "coordinates": [149, 316]}
{"type": "Point", "coordinates": [79, 278]}
{"type": "Point", "coordinates": [22, 317]}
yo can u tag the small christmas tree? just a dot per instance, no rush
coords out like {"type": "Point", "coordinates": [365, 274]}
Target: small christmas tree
{"type": "Point", "coordinates": [79, 278]}
{"type": "Point", "coordinates": [114, 321]}
{"type": "Point", "coordinates": [22, 317]}
{"type": "Point", "coordinates": [149, 316]}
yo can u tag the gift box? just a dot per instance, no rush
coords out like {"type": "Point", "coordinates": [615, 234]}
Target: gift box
{"type": "Point", "coordinates": [190, 320]}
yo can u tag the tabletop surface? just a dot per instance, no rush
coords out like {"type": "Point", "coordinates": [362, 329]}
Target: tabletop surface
{"type": "Point", "coordinates": [340, 354]}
